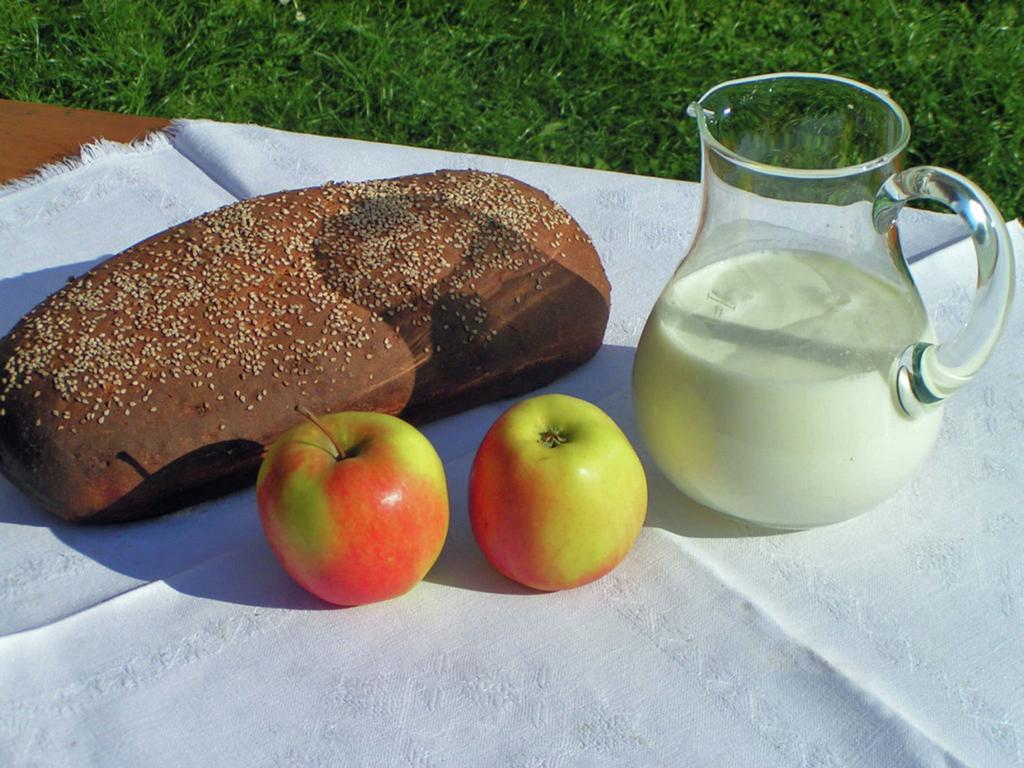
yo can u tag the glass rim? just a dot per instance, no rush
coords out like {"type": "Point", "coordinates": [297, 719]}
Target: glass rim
{"type": "Point", "coordinates": [900, 144]}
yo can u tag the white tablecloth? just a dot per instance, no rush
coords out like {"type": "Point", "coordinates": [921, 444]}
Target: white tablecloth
{"type": "Point", "coordinates": [894, 639]}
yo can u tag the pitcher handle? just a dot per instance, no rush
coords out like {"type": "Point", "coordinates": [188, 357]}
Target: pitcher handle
{"type": "Point", "coordinates": [929, 373]}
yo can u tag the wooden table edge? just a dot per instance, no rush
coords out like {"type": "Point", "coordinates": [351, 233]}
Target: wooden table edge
{"type": "Point", "coordinates": [33, 135]}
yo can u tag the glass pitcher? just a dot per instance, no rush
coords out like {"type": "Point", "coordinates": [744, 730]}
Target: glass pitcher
{"type": "Point", "coordinates": [788, 374]}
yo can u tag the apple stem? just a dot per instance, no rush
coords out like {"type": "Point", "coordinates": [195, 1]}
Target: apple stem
{"type": "Point", "coordinates": [552, 438]}
{"type": "Point", "coordinates": [339, 454]}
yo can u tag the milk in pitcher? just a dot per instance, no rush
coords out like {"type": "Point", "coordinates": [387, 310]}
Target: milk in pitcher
{"type": "Point", "coordinates": [764, 387]}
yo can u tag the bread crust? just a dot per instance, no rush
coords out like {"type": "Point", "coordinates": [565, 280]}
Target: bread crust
{"type": "Point", "coordinates": [157, 379]}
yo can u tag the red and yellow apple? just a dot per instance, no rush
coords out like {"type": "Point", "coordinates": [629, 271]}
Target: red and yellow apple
{"type": "Point", "coordinates": [557, 495]}
{"type": "Point", "coordinates": [354, 505]}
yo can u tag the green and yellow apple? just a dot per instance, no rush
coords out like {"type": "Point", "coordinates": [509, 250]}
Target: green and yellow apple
{"type": "Point", "coordinates": [355, 505]}
{"type": "Point", "coordinates": [557, 495]}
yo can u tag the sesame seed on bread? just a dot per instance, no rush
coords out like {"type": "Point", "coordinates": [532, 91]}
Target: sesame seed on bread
{"type": "Point", "coordinates": [157, 379]}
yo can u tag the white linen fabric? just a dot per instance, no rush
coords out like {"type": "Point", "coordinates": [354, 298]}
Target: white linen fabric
{"type": "Point", "coordinates": [893, 639]}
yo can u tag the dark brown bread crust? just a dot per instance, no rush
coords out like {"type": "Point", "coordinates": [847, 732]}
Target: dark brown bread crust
{"type": "Point", "coordinates": [156, 380]}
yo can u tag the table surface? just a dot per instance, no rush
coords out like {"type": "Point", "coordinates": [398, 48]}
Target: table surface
{"type": "Point", "coordinates": [35, 134]}
{"type": "Point", "coordinates": [896, 638]}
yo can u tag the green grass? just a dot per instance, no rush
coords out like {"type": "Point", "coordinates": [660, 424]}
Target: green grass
{"type": "Point", "coordinates": [599, 84]}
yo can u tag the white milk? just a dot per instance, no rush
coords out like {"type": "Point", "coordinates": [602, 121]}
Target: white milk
{"type": "Point", "coordinates": [763, 387]}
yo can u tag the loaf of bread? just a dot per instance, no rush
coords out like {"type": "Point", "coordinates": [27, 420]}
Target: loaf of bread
{"type": "Point", "coordinates": [157, 379]}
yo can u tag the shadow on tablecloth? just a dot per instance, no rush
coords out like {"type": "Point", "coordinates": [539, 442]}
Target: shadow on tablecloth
{"type": "Point", "coordinates": [19, 294]}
